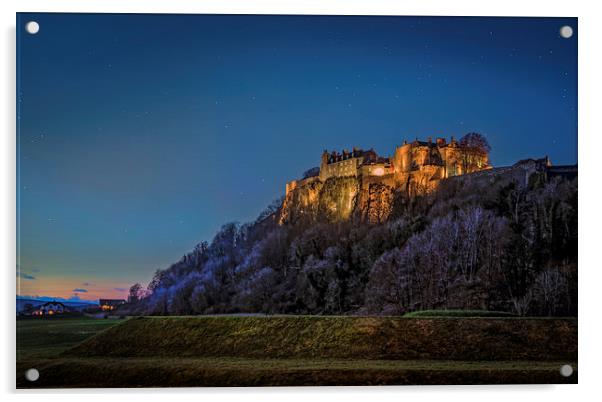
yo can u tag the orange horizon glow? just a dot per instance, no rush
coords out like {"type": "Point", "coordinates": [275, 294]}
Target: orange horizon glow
{"type": "Point", "coordinates": [71, 288]}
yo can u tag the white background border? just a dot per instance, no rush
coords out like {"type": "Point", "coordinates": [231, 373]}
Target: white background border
{"type": "Point", "coordinates": [590, 225]}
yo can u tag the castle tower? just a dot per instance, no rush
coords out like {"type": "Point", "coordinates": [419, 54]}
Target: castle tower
{"type": "Point", "coordinates": [323, 165]}
{"type": "Point", "coordinates": [402, 158]}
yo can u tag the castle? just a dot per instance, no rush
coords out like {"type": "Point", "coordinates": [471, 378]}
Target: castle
{"type": "Point", "coordinates": [415, 167]}
{"type": "Point", "coordinates": [361, 184]}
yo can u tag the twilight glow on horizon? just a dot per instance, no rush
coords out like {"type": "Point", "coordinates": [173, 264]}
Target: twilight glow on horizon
{"type": "Point", "coordinates": [140, 135]}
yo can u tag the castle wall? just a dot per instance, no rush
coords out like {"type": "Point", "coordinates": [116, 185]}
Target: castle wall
{"type": "Point", "coordinates": [407, 158]}
{"type": "Point", "coordinates": [376, 169]}
{"type": "Point", "coordinates": [452, 161]}
{"type": "Point", "coordinates": [347, 167]}
{"type": "Point", "coordinates": [293, 184]}
{"type": "Point", "coordinates": [402, 159]}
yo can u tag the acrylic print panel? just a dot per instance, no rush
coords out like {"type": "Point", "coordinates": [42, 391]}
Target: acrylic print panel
{"type": "Point", "coordinates": [220, 200]}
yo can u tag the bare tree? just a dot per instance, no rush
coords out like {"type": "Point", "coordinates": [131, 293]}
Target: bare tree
{"type": "Point", "coordinates": [550, 288]}
{"type": "Point", "coordinates": [475, 152]}
{"type": "Point", "coordinates": [135, 292]}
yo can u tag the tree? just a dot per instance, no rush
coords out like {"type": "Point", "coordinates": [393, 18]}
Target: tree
{"type": "Point", "coordinates": [390, 285]}
{"type": "Point", "coordinates": [550, 291]}
{"type": "Point", "coordinates": [155, 283]}
{"type": "Point", "coordinates": [135, 291]}
{"type": "Point", "coordinates": [475, 152]}
{"type": "Point", "coordinates": [271, 209]}
{"type": "Point", "coordinates": [314, 171]}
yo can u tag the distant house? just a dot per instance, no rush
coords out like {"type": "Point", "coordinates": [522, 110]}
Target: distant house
{"type": "Point", "coordinates": [110, 304]}
{"type": "Point", "coordinates": [50, 308]}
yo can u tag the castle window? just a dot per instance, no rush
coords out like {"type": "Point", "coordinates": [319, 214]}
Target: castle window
{"type": "Point", "coordinates": [379, 171]}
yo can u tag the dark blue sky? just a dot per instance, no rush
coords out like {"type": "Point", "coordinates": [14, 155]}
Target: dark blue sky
{"type": "Point", "coordinates": [139, 135]}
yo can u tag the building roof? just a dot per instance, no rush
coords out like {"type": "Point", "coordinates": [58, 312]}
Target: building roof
{"type": "Point", "coordinates": [110, 302]}
{"type": "Point", "coordinates": [334, 156]}
{"type": "Point", "coordinates": [52, 302]}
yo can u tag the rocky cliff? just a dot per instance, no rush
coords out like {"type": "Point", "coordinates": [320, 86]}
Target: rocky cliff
{"type": "Point", "coordinates": [337, 199]}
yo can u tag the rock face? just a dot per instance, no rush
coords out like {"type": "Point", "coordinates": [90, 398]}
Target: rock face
{"type": "Point", "coordinates": [332, 200]}
{"type": "Point", "coordinates": [377, 203]}
{"type": "Point", "coordinates": [301, 202]}
{"type": "Point", "coordinates": [337, 199]}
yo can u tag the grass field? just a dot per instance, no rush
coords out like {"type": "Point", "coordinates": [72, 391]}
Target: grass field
{"type": "Point", "coordinates": [47, 338]}
{"type": "Point", "coordinates": [255, 351]}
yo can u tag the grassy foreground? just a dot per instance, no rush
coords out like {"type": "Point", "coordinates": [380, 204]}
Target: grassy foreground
{"type": "Point", "coordinates": [373, 338]}
{"type": "Point", "coordinates": [459, 313]}
{"type": "Point", "coordinates": [48, 337]}
{"type": "Point", "coordinates": [255, 351]}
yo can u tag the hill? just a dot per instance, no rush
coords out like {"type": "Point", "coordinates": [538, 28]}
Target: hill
{"type": "Point", "coordinates": [504, 239]}
{"type": "Point", "coordinates": [374, 338]}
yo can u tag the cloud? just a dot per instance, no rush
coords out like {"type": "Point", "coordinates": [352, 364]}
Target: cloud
{"type": "Point", "coordinates": [87, 284]}
{"type": "Point", "coordinates": [80, 290]}
{"type": "Point", "coordinates": [23, 275]}
{"type": "Point", "coordinates": [120, 289]}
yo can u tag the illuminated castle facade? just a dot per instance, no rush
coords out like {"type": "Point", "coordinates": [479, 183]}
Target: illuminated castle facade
{"type": "Point", "coordinates": [415, 166]}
